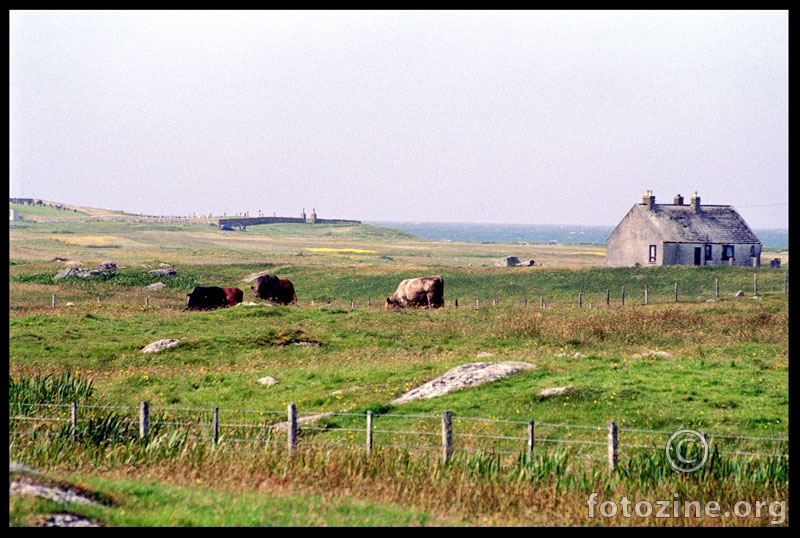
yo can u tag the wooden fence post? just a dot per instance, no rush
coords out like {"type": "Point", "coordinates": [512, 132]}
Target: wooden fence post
{"type": "Point", "coordinates": [455, 302]}
{"type": "Point", "coordinates": [623, 295]}
{"type": "Point", "coordinates": [215, 428]}
{"type": "Point", "coordinates": [645, 294]}
{"type": "Point", "coordinates": [292, 430]}
{"type": "Point", "coordinates": [755, 284]}
{"type": "Point", "coordinates": [530, 439]}
{"type": "Point", "coordinates": [144, 419]}
{"type": "Point", "coordinates": [447, 435]}
{"type": "Point", "coordinates": [369, 432]}
{"type": "Point", "coordinates": [676, 292]}
{"type": "Point", "coordinates": [541, 302]}
{"type": "Point", "coordinates": [54, 300]}
{"type": "Point", "coordinates": [74, 421]}
{"type": "Point", "coordinates": [613, 446]}
{"type": "Point", "coordinates": [525, 302]}
{"type": "Point", "coordinates": [369, 302]}
{"type": "Point", "coordinates": [716, 288]}
{"type": "Point", "coordinates": [580, 300]}
{"type": "Point", "coordinates": [608, 296]}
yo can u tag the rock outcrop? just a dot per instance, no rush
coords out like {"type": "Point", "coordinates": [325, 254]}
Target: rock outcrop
{"type": "Point", "coordinates": [513, 261]}
{"type": "Point", "coordinates": [467, 375]}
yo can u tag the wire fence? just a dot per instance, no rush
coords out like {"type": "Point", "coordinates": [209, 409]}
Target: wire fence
{"type": "Point", "coordinates": [594, 291]}
{"type": "Point", "coordinates": [253, 431]}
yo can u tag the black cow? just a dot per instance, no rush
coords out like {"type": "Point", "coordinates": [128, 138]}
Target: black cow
{"type": "Point", "coordinates": [207, 298]}
{"type": "Point", "coordinates": [275, 290]}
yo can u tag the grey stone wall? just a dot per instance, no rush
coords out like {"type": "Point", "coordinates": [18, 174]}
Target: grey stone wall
{"type": "Point", "coordinates": [235, 222]}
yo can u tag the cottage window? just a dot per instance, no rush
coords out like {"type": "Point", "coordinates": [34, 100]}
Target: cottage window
{"type": "Point", "coordinates": [652, 253]}
{"type": "Point", "coordinates": [708, 252]}
{"type": "Point", "coordinates": [752, 251]}
{"type": "Point", "coordinates": [727, 252]}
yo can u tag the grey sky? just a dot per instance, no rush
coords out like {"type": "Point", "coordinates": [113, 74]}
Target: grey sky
{"type": "Point", "coordinates": [534, 117]}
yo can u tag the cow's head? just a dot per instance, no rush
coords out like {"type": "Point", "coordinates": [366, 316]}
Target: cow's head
{"type": "Point", "coordinates": [195, 299]}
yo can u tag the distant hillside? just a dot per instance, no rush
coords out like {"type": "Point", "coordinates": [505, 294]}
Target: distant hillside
{"type": "Point", "coordinates": [38, 210]}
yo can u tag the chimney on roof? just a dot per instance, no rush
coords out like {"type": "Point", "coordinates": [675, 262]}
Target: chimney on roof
{"type": "Point", "coordinates": [678, 200]}
{"type": "Point", "coordinates": [695, 202]}
{"type": "Point", "coordinates": [648, 199]}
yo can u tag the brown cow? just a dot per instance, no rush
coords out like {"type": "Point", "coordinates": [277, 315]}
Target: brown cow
{"type": "Point", "coordinates": [275, 290]}
{"type": "Point", "coordinates": [233, 295]}
{"type": "Point", "coordinates": [427, 291]}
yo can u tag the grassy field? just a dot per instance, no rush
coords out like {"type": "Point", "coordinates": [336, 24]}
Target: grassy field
{"type": "Point", "coordinates": [617, 340]}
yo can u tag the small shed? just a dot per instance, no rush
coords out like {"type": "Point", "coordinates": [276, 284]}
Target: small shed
{"type": "Point", "coordinates": [654, 234]}
{"type": "Point", "coordinates": [13, 214]}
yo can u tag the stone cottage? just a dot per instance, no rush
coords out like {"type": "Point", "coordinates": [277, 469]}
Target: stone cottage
{"type": "Point", "coordinates": [682, 234]}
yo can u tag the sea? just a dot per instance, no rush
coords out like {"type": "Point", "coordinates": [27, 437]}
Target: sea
{"type": "Point", "coordinates": [537, 233]}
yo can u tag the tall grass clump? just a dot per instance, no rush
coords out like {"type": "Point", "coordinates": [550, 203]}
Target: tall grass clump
{"type": "Point", "coordinates": [40, 408]}
{"type": "Point", "coordinates": [49, 389]}
{"type": "Point", "coordinates": [737, 473]}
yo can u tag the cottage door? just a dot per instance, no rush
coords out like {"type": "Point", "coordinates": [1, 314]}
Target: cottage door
{"type": "Point", "coordinates": [697, 255]}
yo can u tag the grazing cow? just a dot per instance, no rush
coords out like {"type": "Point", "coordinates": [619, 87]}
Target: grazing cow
{"type": "Point", "coordinates": [275, 290]}
{"type": "Point", "coordinates": [234, 295]}
{"type": "Point", "coordinates": [427, 291]}
{"type": "Point", "coordinates": [207, 298]}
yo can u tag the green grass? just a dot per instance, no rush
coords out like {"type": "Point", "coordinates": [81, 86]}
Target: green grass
{"type": "Point", "coordinates": [718, 364]}
{"type": "Point", "coordinates": [156, 503]}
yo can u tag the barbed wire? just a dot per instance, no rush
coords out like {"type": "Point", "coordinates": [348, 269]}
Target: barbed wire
{"type": "Point", "coordinates": [203, 421]}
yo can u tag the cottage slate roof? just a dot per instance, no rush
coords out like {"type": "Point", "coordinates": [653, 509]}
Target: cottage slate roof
{"type": "Point", "coordinates": [714, 224]}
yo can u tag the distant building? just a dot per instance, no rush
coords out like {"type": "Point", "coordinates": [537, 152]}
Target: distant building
{"type": "Point", "coordinates": [13, 214]}
{"type": "Point", "coordinates": [678, 234]}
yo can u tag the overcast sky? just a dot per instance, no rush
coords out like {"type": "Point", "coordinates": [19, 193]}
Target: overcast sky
{"type": "Point", "coordinates": [532, 117]}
